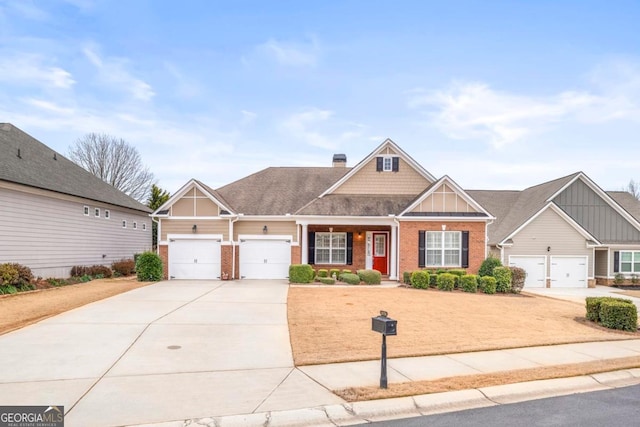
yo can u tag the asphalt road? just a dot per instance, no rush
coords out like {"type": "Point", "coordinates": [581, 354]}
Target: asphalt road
{"type": "Point", "coordinates": [617, 407]}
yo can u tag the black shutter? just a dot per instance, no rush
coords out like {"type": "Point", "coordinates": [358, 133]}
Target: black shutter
{"type": "Point", "coordinates": [349, 248]}
{"type": "Point", "coordinates": [395, 164]}
{"type": "Point", "coordinates": [421, 249]}
{"type": "Point", "coordinates": [378, 164]}
{"type": "Point", "coordinates": [465, 249]}
{"type": "Point", "coordinates": [616, 262]}
{"type": "Point", "coordinates": [312, 247]}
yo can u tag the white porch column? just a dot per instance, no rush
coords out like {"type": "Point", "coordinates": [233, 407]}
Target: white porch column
{"type": "Point", "coordinates": [304, 244]}
{"type": "Point", "coordinates": [393, 266]}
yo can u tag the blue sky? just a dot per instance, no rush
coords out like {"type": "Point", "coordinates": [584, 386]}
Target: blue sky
{"type": "Point", "coordinates": [497, 95]}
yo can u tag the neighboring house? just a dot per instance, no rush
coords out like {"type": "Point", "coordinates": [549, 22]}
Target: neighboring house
{"type": "Point", "coordinates": [565, 233]}
{"type": "Point", "coordinates": [54, 214]}
{"type": "Point", "coordinates": [386, 213]}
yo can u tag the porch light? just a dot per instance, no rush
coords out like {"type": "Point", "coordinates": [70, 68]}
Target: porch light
{"type": "Point", "coordinates": [194, 229]}
{"type": "Point", "coordinates": [265, 230]}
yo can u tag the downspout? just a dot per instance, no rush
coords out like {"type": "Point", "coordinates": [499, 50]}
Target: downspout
{"type": "Point", "coordinates": [486, 238]}
{"type": "Point", "coordinates": [157, 235]}
{"type": "Point", "coordinates": [397, 243]}
{"type": "Point", "coordinates": [233, 248]}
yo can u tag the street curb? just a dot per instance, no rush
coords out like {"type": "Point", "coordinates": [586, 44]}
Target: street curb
{"type": "Point", "coordinates": [414, 406]}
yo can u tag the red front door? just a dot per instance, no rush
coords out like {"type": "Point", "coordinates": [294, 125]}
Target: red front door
{"type": "Point", "coordinates": [380, 259]}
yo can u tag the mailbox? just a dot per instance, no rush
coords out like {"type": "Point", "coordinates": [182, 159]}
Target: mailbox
{"type": "Point", "coordinates": [384, 324]}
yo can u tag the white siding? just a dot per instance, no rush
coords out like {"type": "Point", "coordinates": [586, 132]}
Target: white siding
{"type": "Point", "coordinates": [50, 235]}
{"type": "Point", "coordinates": [549, 230]}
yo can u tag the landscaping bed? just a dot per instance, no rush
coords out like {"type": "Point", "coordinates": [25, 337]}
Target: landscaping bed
{"type": "Point", "coordinates": [334, 324]}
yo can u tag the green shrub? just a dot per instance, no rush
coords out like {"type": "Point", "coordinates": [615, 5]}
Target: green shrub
{"type": "Point", "coordinates": [406, 277]}
{"type": "Point", "coordinates": [593, 306]}
{"type": "Point", "coordinates": [433, 279]}
{"type": "Point", "coordinates": [350, 278]}
{"type": "Point", "coordinates": [124, 267]}
{"type": "Point", "coordinates": [9, 275]}
{"type": "Point", "coordinates": [370, 277]}
{"type": "Point", "coordinates": [503, 279]}
{"type": "Point", "coordinates": [86, 278]}
{"type": "Point", "coordinates": [301, 273]}
{"type": "Point", "coordinates": [8, 289]}
{"type": "Point", "coordinates": [518, 276]}
{"type": "Point", "coordinates": [149, 267]}
{"type": "Point", "coordinates": [618, 279]}
{"type": "Point", "coordinates": [419, 279]}
{"type": "Point", "coordinates": [25, 277]}
{"type": "Point", "coordinates": [488, 284]}
{"type": "Point", "coordinates": [326, 280]}
{"type": "Point", "coordinates": [446, 281]}
{"type": "Point", "coordinates": [334, 272]}
{"type": "Point", "coordinates": [323, 272]}
{"type": "Point", "coordinates": [346, 270]}
{"type": "Point", "coordinates": [458, 272]}
{"type": "Point", "coordinates": [487, 266]}
{"type": "Point", "coordinates": [619, 315]}
{"type": "Point", "coordinates": [469, 283]}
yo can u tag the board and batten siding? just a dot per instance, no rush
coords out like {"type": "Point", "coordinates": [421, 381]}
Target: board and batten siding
{"type": "Point", "coordinates": [595, 215]}
{"type": "Point", "coordinates": [444, 199]}
{"type": "Point", "coordinates": [549, 230]}
{"type": "Point", "coordinates": [204, 226]}
{"type": "Point", "coordinates": [282, 228]}
{"type": "Point", "coordinates": [50, 233]}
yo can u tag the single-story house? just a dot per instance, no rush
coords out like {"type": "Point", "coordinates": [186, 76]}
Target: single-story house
{"type": "Point", "coordinates": [389, 213]}
{"type": "Point", "coordinates": [55, 215]}
{"type": "Point", "coordinates": [565, 233]}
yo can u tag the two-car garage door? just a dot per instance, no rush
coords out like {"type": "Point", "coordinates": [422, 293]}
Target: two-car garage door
{"type": "Point", "coordinates": [564, 271]}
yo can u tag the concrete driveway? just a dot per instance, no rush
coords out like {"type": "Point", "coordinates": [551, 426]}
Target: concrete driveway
{"type": "Point", "coordinates": [579, 294]}
{"type": "Point", "coordinates": [171, 351]}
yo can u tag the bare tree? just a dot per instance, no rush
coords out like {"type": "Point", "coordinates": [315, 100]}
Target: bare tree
{"type": "Point", "coordinates": [115, 162]}
{"type": "Point", "coordinates": [634, 188]}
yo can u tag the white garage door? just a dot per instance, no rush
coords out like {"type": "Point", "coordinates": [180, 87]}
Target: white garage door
{"type": "Point", "coordinates": [535, 267]}
{"type": "Point", "coordinates": [569, 272]}
{"type": "Point", "coordinates": [265, 259]}
{"type": "Point", "coordinates": [194, 259]}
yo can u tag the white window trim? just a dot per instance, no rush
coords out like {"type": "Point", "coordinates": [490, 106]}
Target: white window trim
{"type": "Point", "coordinates": [107, 214]}
{"type": "Point", "coordinates": [331, 249]}
{"type": "Point", "coordinates": [632, 262]}
{"type": "Point", "coordinates": [384, 164]}
{"type": "Point", "coordinates": [86, 210]}
{"type": "Point", "coordinates": [442, 249]}
{"type": "Point", "coordinates": [96, 212]}
{"type": "Point", "coordinates": [124, 223]}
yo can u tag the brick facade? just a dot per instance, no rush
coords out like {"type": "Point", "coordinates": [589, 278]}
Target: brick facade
{"type": "Point", "coordinates": [226, 261]}
{"type": "Point", "coordinates": [409, 231]}
{"type": "Point", "coordinates": [164, 256]}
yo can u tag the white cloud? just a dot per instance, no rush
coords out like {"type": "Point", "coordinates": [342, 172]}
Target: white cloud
{"type": "Point", "coordinates": [319, 128]}
{"type": "Point", "coordinates": [292, 54]}
{"type": "Point", "coordinates": [474, 110]}
{"type": "Point", "coordinates": [113, 72]}
{"type": "Point", "coordinates": [30, 69]}
{"type": "Point", "coordinates": [49, 107]}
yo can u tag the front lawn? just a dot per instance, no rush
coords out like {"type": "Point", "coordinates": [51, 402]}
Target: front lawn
{"type": "Point", "coordinates": [334, 324]}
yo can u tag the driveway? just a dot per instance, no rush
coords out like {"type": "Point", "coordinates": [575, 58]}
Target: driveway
{"type": "Point", "coordinates": [579, 294]}
{"type": "Point", "coordinates": [170, 351]}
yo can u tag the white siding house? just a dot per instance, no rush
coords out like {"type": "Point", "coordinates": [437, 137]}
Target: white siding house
{"type": "Point", "coordinates": [54, 214]}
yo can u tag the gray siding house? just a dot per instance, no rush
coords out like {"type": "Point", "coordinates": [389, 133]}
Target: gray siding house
{"type": "Point", "coordinates": [54, 214]}
{"type": "Point", "coordinates": [565, 233]}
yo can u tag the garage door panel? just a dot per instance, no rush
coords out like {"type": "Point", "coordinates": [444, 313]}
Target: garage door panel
{"type": "Point", "coordinates": [194, 259]}
{"type": "Point", "coordinates": [569, 272]}
{"type": "Point", "coordinates": [535, 266]}
{"type": "Point", "coordinates": [265, 259]}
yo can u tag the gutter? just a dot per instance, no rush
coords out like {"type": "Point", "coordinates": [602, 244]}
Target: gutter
{"type": "Point", "coordinates": [233, 246]}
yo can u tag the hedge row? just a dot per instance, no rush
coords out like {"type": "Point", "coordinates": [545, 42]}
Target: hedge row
{"type": "Point", "coordinates": [304, 273]}
{"type": "Point", "coordinates": [613, 313]}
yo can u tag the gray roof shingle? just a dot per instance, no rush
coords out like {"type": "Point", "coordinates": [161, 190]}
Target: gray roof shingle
{"type": "Point", "coordinates": [357, 205]}
{"type": "Point", "coordinates": [41, 167]}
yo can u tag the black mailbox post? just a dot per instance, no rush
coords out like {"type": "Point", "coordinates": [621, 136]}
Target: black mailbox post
{"type": "Point", "coordinates": [386, 326]}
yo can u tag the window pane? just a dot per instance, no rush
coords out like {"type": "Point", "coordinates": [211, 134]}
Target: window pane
{"type": "Point", "coordinates": [387, 163]}
{"type": "Point", "coordinates": [451, 257]}
{"type": "Point", "coordinates": [322, 256]}
{"type": "Point", "coordinates": [339, 256]}
{"type": "Point", "coordinates": [339, 240]}
{"type": "Point", "coordinates": [625, 267]}
{"type": "Point", "coordinates": [434, 240]}
{"type": "Point", "coordinates": [434, 257]}
{"type": "Point", "coordinates": [452, 240]}
{"type": "Point", "coordinates": [636, 267]}
{"type": "Point", "coordinates": [625, 256]}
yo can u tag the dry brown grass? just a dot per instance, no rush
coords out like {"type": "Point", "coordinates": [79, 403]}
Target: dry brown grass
{"type": "Point", "coordinates": [635, 294]}
{"type": "Point", "coordinates": [466, 382]}
{"type": "Point", "coordinates": [334, 324]}
{"type": "Point", "coordinates": [22, 309]}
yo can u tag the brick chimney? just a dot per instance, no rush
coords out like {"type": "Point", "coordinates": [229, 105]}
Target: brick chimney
{"type": "Point", "coordinates": [339, 160]}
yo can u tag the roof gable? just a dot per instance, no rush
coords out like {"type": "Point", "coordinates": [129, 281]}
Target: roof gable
{"type": "Point", "coordinates": [364, 178]}
{"type": "Point", "coordinates": [445, 197]}
{"type": "Point", "coordinates": [193, 199]}
{"type": "Point", "coordinates": [25, 160]}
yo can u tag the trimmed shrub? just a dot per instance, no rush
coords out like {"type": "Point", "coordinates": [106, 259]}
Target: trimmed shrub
{"type": "Point", "coordinates": [350, 278]}
{"type": "Point", "coordinates": [458, 272]}
{"type": "Point", "coordinates": [593, 306]}
{"type": "Point", "coordinates": [301, 273]}
{"type": "Point", "coordinates": [9, 275]}
{"type": "Point", "coordinates": [469, 283]}
{"type": "Point", "coordinates": [323, 272]}
{"type": "Point", "coordinates": [420, 279]}
{"type": "Point", "coordinates": [149, 267]}
{"type": "Point", "coordinates": [346, 270]}
{"type": "Point", "coordinates": [370, 277]}
{"type": "Point", "coordinates": [618, 279]}
{"type": "Point", "coordinates": [518, 276]}
{"type": "Point", "coordinates": [124, 267]}
{"type": "Point", "coordinates": [406, 277]}
{"type": "Point", "coordinates": [503, 279]}
{"type": "Point", "coordinates": [334, 272]}
{"type": "Point", "coordinates": [487, 266]}
{"type": "Point", "coordinates": [433, 279]}
{"type": "Point", "coordinates": [488, 284]}
{"type": "Point", "coordinates": [446, 281]}
{"type": "Point", "coordinates": [327, 280]}
{"type": "Point", "coordinates": [619, 315]}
